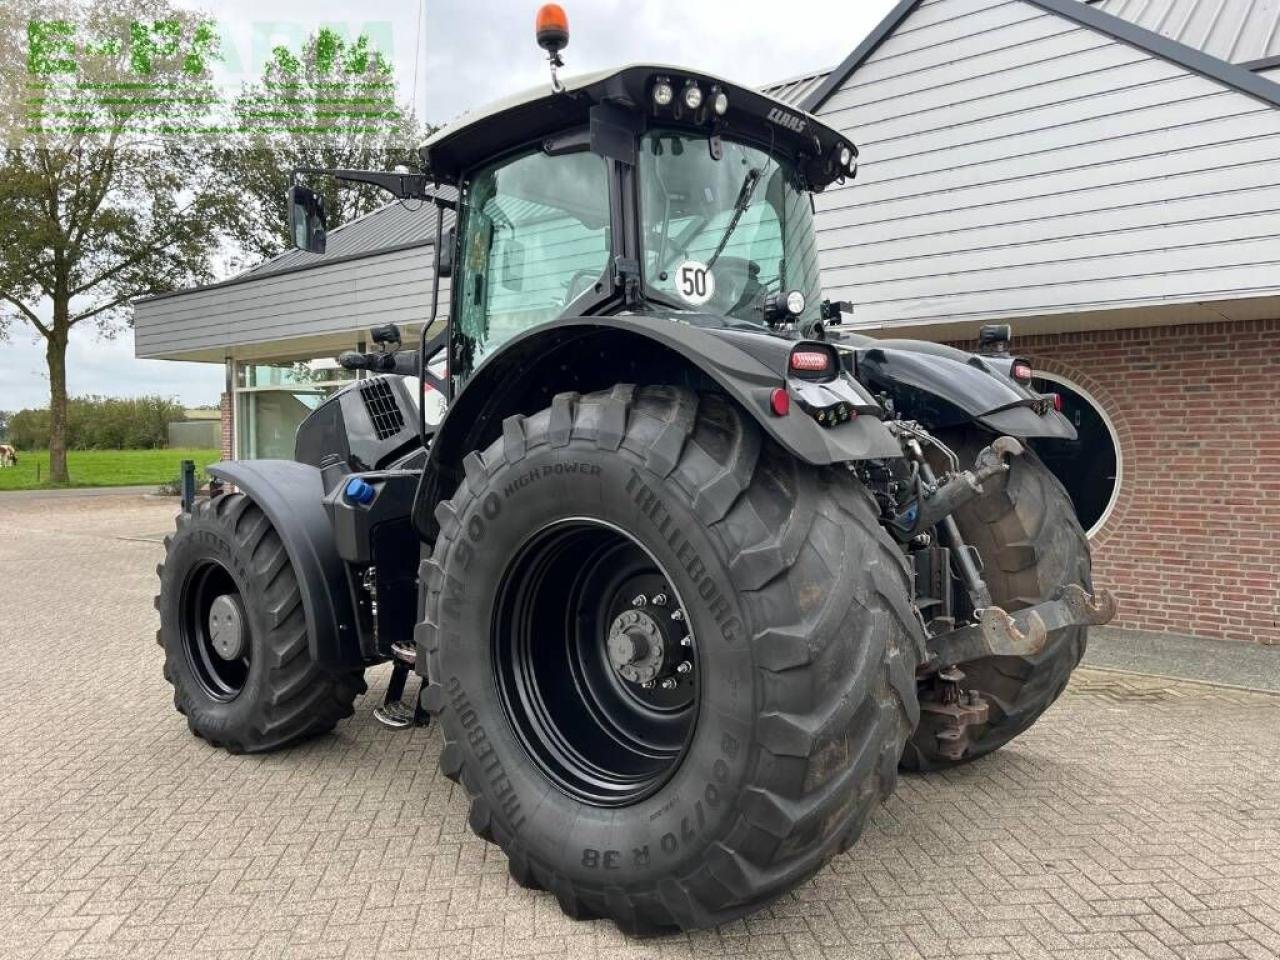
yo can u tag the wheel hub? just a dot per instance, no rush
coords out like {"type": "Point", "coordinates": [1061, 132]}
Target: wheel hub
{"type": "Point", "coordinates": [226, 627]}
{"type": "Point", "coordinates": [635, 646]}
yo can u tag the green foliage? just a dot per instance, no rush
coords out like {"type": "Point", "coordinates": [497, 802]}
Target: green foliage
{"type": "Point", "coordinates": [101, 423]}
{"type": "Point", "coordinates": [106, 193]}
{"type": "Point", "coordinates": [96, 208]}
{"type": "Point", "coordinates": [333, 106]}
{"type": "Point", "coordinates": [107, 468]}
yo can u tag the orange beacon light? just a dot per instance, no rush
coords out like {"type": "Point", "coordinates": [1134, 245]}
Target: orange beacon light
{"type": "Point", "coordinates": [552, 25]}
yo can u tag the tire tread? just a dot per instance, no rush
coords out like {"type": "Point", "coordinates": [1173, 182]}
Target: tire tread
{"type": "Point", "coordinates": [301, 699]}
{"type": "Point", "coordinates": [828, 749]}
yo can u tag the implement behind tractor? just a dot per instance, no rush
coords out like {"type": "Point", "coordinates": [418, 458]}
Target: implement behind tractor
{"type": "Point", "coordinates": [687, 570]}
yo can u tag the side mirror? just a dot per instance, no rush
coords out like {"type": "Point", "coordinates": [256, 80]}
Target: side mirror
{"type": "Point", "coordinates": [444, 256]}
{"type": "Point", "coordinates": [307, 220]}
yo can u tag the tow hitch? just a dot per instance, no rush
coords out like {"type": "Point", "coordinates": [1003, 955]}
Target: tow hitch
{"type": "Point", "coordinates": [1022, 633]}
{"type": "Point", "coordinates": [996, 634]}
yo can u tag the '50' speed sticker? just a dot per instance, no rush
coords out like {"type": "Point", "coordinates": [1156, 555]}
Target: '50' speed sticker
{"type": "Point", "coordinates": [695, 283]}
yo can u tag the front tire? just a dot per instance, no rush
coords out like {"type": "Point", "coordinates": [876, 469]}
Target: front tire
{"type": "Point", "coordinates": [802, 642]}
{"type": "Point", "coordinates": [1031, 544]}
{"type": "Point", "coordinates": [235, 636]}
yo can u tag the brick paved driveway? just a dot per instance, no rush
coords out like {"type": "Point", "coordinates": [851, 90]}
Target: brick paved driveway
{"type": "Point", "coordinates": [1141, 819]}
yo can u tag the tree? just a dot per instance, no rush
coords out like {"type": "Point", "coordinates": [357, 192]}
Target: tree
{"type": "Point", "coordinates": [332, 106]}
{"type": "Point", "coordinates": [107, 192]}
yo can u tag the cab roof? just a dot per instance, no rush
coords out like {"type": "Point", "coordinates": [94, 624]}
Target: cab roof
{"type": "Point", "coordinates": [528, 117]}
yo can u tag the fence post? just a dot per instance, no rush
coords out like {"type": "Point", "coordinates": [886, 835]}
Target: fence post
{"type": "Point", "coordinates": [188, 485]}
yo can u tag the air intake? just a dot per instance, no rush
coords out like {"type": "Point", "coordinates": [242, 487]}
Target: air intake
{"type": "Point", "coordinates": [380, 404]}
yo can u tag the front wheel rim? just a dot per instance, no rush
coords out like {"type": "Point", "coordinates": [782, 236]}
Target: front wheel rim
{"type": "Point", "coordinates": [595, 661]}
{"type": "Point", "coordinates": [215, 631]}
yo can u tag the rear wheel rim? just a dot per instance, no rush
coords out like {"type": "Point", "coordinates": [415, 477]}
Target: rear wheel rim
{"type": "Point", "coordinates": [600, 715]}
{"type": "Point", "coordinates": [215, 631]}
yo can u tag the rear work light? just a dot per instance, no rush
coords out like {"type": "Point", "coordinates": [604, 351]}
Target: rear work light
{"type": "Point", "coordinates": [811, 361]}
{"type": "Point", "coordinates": [1021, 371]}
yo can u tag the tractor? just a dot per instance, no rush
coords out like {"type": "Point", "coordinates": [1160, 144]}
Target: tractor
{"type": "Point", "coordinates": [689, 570]}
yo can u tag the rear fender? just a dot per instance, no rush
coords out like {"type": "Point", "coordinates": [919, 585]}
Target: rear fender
{"type": "Point", "coordinates": [594, 353]}
{"type": "Point", "coordinates": [292, 496]}
{"type": "Point", "coordinates": [943, 387]}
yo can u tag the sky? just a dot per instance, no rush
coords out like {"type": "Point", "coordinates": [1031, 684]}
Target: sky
{"type": "Point", "coordinates": [452, 56]}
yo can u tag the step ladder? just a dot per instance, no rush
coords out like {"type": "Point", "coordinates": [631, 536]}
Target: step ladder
{"type": "Point", "coordinates": [394, 712]}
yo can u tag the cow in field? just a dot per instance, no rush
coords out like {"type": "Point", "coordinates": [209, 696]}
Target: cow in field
{"type": "Point", "coordinates": [8, 455]}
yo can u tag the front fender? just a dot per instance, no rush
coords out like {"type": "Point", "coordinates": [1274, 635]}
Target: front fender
{"type": "Point", "coordinates": [970, 388]}
{"type": "Point", "coordinates": [292, 496]}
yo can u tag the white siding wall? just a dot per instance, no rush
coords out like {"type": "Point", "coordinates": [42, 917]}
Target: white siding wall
{"type": "Point", "coordinates": [350, 296]}
{"type": "Point", "coordinates": [1016, 163]}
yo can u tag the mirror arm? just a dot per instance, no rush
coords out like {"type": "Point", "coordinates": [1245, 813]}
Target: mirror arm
{"type": "Point", "coordinates": [406, 186]}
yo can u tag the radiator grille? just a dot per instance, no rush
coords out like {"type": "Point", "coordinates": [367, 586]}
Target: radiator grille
{"type": "Point", "coordinates": [380, 403]}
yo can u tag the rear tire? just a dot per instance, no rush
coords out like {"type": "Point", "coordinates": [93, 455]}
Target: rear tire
{"type": "Point", "coordinates": [235, 636]}
{"type": "Point", "coordinates": [801, 631]}
{"type": "Point", "coordinates": [1031, 544]}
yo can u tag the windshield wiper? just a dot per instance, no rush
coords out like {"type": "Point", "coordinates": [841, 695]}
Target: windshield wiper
{"type": "Point", "coordinates": [739, 208]}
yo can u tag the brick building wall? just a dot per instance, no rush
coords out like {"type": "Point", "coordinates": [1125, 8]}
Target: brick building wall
{"type": "Point", "coordinates": [1193, 542]}
{"type": "Point", "coordinates": [228, 437]}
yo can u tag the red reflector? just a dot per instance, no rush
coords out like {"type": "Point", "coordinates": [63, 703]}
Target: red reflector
{"type": "Point", "coordinates": [780, 402]}
{"type": "Point", "coordinates": [811, 361]}
{"type": "Point", "coordinates": [1057, 401]}
{"type": "Point", "coordinates": [1021, 371]}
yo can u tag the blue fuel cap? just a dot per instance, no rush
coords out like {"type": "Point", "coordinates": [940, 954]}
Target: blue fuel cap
{"type": "Point", "coordinates": [359, 491]}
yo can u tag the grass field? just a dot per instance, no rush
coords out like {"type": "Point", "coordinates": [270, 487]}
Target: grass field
{"type": "Point", "coordinates": [104, 468]}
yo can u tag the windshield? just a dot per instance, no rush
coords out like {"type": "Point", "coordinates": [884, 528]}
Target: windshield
{"type": "Point", "coordinates": [534, 238]}
{"type": "Point", "coordinates": [719, 235]}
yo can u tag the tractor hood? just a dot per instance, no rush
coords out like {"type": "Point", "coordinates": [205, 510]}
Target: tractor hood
{"type": "Point", "coordinates": [537, 114]}
{"type": "Point", "coordinates": [949, 386]}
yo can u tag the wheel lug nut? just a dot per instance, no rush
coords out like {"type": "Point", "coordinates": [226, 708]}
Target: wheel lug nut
{"type": "Point", "coordinates": [660, 600]}
{"type": "Point", "coordinates": [669, 683]}
{"type": "Point", "coordinates": [639, 601]}
{"type": "Point", "coordinates": [686, 641]}
{"type": "Point", "coordinates": [685, 667]}
{"type": "Point", "coordinates": [677, 614]}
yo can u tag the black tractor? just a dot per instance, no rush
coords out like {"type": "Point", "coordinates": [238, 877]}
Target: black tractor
{"type": "Point", "coordinates": [688, 571]}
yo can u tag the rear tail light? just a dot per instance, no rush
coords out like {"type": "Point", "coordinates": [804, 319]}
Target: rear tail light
{"type": "Point", "coordinates": [811, 361]}
{"type": "Point", "coordinates": [1021, 371]}
{"type": "Point", "coordinates": [1056, 400]}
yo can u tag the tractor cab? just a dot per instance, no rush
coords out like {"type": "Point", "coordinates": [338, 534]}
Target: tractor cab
{"type": "Point", "coordinates": [643, 189]}
{"type": "Point", "coordinates": [646, 189]}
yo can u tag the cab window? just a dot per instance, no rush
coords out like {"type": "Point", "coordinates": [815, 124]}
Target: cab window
{"type": "Point", "coordinates": [534, 240]}
{"type": "Point", "coordinates": [722, 233]}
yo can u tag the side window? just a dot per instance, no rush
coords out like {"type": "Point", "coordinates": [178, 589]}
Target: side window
{"type": "Point", "coordinates": [535, 238]}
